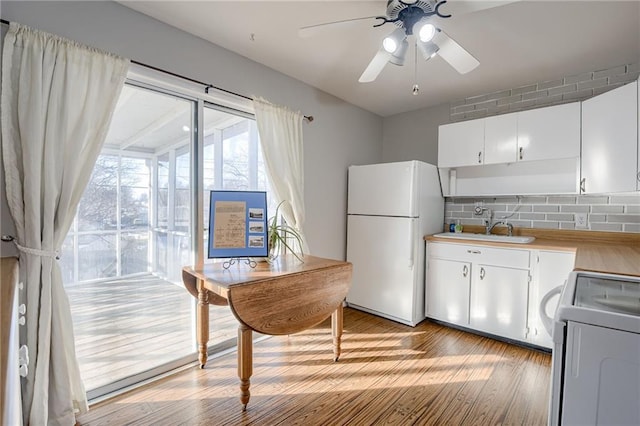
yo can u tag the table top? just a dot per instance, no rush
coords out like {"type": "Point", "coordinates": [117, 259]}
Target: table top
{"type": "Point", "coordinates": [219, 279]}
{"type": "Point", "coordinates": [282, 297]}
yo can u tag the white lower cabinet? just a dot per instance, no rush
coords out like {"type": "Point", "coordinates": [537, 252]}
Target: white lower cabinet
{"type": "Point", "coordinates": [551, 269]}
{"type": "Point", "coordinates": [448, 298]}
{"type": "Point", "coordinates": [498, 302]}
{"type": "Point", "coordinates": [493, 290]}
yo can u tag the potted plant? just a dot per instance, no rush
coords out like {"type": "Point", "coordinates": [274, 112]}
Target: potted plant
{"type": "Point", "coordinates": [282, 237]}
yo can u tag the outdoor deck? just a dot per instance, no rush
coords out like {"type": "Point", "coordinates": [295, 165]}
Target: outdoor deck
{"type": "Point", "coordinates": [127, 326]}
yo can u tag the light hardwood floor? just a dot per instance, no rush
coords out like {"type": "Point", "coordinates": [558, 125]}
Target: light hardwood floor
{"type": "Point", "coordinates": [388, 374]}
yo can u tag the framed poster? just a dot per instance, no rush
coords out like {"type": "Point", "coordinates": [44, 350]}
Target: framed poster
{"type": "Point", "coordinates": [238, 224]}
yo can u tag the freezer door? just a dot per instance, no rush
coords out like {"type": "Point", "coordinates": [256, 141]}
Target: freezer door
{"type": "Point", "coordinates": [386, 278]}
{"type": "Point", "coordinates": [384, 189]}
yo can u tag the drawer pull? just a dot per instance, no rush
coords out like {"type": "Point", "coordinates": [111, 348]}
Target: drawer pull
{"type": "Point", "coordinates": [482, 273]}
{"type": "Point", "coordinates": [465, 271]}
{"type": "Point", "coordinates": [479, 157]}
{"type": "Point", "coordinates": [521, 153]}
{"type": "Point", "coordinates": [474, 252]}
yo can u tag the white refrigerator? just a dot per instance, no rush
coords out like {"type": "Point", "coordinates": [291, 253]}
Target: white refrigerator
{"type": "Point", "coordinates": [391, 207]}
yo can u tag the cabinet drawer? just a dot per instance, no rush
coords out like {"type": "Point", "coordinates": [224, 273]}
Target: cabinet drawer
{"type": "Point", "coordinates": [510, 258]}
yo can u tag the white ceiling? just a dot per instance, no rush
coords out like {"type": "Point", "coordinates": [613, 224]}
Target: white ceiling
{"type": "Point", "coordinates": [517, 44]}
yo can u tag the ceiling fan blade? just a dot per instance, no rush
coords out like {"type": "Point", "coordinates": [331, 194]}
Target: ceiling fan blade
{"type": "Point", "coordinates": [375, 67]}
{"type": "Point", "coordinates": [312, 30]}
{"type": "Point", "coordinates": [457, 8]}
{"type": "Point", "coordinates": [454, 54]}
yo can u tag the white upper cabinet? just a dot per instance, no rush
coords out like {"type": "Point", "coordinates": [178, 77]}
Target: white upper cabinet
{"type": "Point", "coordinates": [461, 144]}
{"type": "Point", "coordinates": [549, 133]}
{"type": "Point", "coordinates": [610, 141]}
{"type": "Point", "coordinates": [501, 139]}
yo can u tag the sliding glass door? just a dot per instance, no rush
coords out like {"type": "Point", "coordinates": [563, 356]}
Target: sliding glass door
{"type": "Point", "coordinates": [134, 231]}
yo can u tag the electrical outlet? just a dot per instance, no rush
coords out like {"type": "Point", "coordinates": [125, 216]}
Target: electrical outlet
{"type": "Point", "coordinates": [580, 220]}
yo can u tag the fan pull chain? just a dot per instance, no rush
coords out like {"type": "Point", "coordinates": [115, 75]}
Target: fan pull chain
{"type": "Point", "coordinates": [416, 88]}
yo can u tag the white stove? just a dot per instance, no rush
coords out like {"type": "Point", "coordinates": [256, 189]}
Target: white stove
{"type": "Point", "coordinates": [596, 353]}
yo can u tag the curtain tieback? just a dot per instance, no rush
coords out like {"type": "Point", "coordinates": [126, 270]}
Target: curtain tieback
{"type": "Point", "coordinates": [37, 252]}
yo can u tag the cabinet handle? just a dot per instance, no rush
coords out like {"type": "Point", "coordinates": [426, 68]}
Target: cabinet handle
{"type": "Point", "coordinates": [482, 272]}
{"type": "Point", "coordinates": [583, 182]}
{"type": "Point", "coordinates": [479, 157]}
{"type": "Point", "coordinates": [638, 176]}
{"type": "Point", "coordinates": [465, 271]}
{"type": "Point", "coordinates": [473, 251]}
{"type": "Point", "coordinates": [521, 149]}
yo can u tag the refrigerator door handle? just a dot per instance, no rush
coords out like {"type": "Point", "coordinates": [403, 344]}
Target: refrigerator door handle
{"type": "Point", "coordinates": [412, 249]}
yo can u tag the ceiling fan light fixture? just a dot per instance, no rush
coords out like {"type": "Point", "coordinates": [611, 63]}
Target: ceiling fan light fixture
{"type": "Point", "coordinates": [399, 56]}
{"type": "Point", "coordinates": [393, 41]}
{"type": "Point", "coordinates": [429, 49]}
{"type": "Point", "coordinates": [389, 44]}
{"type": "Point", "coordinates": [426, 32]}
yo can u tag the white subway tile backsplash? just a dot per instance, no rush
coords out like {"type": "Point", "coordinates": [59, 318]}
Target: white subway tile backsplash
{"type": "Point", "coordinates": [623, 218]}
{"type": "Point", "coordinates": [575, 209]}
{"type": "Point", "coordinates": [615, 213]}
{"type": "Point", "coordinates": [561, 200]}
{"type": "Point", "coordinates": [626, 199]}
{"type": "Point", "coordinates": [560, 216]}
{"type": "Point", "coordinates": [569, 88]}
{"type": "Point", "coordinates": [607, 209]}
{"type": "Point", "coordinates": [609, 227]}
{"type": "Point", "coordinates": [547, 208]}
{"type": "Point", "coordinates": [579, 77]}
{"type": "Point", "coordinates": [533, 200]}
{"type": "Point", "coordinates": [533, 216]}
{"type": "Point", "coordinates": [593, 84]}
{"type": "Point", "coordinates": [593, 199]}
{"type": "Point", "coordinates": [545, 225]}
{"type": "Point", "coordinates": [597, 218]}
{"type": "Point", "coordinates": [622, 69]}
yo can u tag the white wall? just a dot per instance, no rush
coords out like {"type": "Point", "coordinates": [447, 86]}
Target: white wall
{"type": "Point", "coordinates": [413, 135]}
{"type": "Point", "coordinates": [340, 135]}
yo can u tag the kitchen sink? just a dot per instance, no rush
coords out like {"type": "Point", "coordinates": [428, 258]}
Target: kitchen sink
{"type": "Point", "coordinates": [485, 237]}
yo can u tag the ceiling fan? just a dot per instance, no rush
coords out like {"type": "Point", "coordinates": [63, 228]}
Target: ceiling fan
{"type": "Point", "coordinates": [414, 18]}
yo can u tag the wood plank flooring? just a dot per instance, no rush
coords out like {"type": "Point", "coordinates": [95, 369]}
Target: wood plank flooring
{"type": "Point", "coordinates": [388, 374]}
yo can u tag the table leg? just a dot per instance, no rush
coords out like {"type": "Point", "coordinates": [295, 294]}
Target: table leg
{"type": "Point", "coordinates": [202, 323]}
{"type": "Point", "coordinates": [336, 331]}
{"type": "Point", "coordinates": [245, 363]}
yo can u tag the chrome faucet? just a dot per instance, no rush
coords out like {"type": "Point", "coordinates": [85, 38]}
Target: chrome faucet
{"type": "Point", "coordinates": [489, 227]}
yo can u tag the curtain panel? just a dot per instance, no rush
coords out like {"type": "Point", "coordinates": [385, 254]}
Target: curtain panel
{"type": "Point", "coordinates": [280, 131]}
{"type": "Point", "coordinates": [57, 101]}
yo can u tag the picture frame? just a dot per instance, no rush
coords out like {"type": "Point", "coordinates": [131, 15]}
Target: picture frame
{"type": "Point", "coordinates": [237, 224]}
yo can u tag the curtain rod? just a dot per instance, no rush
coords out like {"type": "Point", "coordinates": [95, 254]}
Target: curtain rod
{"type": "Point", "coordinates": [208, 86]}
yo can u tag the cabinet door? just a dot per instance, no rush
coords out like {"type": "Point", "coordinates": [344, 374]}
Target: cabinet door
{"type": "Point", "coordinates": [461, 144]}
{"type": "Point", "coordinates": [499, 301]}
{"type": "Point", "coordinates": [549, 133]}
{"type": "Point", "coordinates": [610, 141]}
{"type": "Point", "coordinates": [447, 290]}
{"type": "Point", "coordinates": [552, 270]}
{"type": "Point", "coordinates": [501, 139]}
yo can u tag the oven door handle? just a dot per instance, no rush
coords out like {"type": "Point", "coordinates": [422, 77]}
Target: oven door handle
{"type": "Point", "coordinates": [547, 321]}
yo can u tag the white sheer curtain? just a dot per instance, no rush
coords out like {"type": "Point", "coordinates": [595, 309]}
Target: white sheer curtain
{"type": "Point", "coordinates": [280, 131]}
{"type": "Point", "coordinates": [57, 101]}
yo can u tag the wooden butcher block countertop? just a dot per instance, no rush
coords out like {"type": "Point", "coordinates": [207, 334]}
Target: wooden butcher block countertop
{"type": "Point", "coordinates": [608, 252]}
